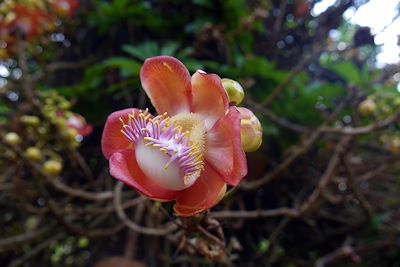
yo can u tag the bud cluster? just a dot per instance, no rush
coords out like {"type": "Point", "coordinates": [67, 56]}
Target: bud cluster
{"type": "Point", "coordinates": [45, 136]}
{"type": "Point", "coordinates": [250, 126]}
{"type": "Point", "coordinates": [379, 104]}
{"type": "Point", "coordinates": [29, 19]}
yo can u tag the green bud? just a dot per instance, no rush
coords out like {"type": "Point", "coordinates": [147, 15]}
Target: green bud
{"type": "Point", "coordinates": [30, 120]}
{"type": "Point", "coordinates": [65, 105]}
{"type": "Point", "coordinates": [12, 138]}
{"type": "Point", "coordinates": [367, 107]}
{"type": "Point", "coordinates": [250, 130]}
{"type": "Point", "coordinates": [33, 153]}
{"type": "Point", "coordinates": [52, 167]}
{"type": "Point", "coordinates": [234, 91]}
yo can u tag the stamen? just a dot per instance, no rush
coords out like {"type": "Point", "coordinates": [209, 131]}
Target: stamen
{"type": "Point", "coordinates": [169, 139]}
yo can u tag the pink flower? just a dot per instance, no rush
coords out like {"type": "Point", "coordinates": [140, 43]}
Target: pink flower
{"type": "Point", "coordinates": [79, 124]}
{"type": "Point", "coordinates": [190, 152]}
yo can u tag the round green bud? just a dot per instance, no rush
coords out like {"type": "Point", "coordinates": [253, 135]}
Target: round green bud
{"type": "Point", "coordinates": [12, 138]}
{"type": "Point", "coordinates": [250, 130]}
{"type": "Point", "coordinates": [234, 91]}
{"type": "Point", "coordinates": [30, 120]}
{"type": "Point", "coordinates": [65, 105]}
{"type": "Point", "coordinates": [52, 167]}
{"type": "Point", "coordinates": [33, 153]}
{"type": "Point", "coordinates": [367, 107]}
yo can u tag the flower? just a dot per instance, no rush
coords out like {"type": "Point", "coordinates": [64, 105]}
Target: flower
{"type": "Point", "coordinates": [78, 123]}
{"type": "Point", "coordinates": [188, 153]}
{"type": "Point", "coordinates": [29, 21]}
{"type": "Point", "coordinates": [65, 8]}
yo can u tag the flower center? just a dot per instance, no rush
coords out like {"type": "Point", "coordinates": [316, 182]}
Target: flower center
{"type": "Point", "coordinates": [167, 151]}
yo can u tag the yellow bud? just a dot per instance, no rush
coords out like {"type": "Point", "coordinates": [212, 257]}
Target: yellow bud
{"type": "Point", "coordinates": [234, 91]}
{"type": "Point", "coordinates": [52, 167]}
{"type": "Point", "coordinates": [65, 105]}
{"type": "Point", "coordinates": [12, 138]}
{"type": "Point", "coordinates": [33, 153]}
{"type": "Point", "coordinates": [250, 130]}
{"type": "Point", "coordinates": [42, 130]}
{"type": "Point", "coordinates": [10, 17]}
{"type": "Point", "coordinates": [367, 107]}
{"type": "Point", "coordinates": [30, 120]}
{"type": "Point", "coordinates": [394, 145]}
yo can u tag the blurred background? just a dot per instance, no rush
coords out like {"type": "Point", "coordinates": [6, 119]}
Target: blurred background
{"type": "Point", "coordinates": [322, 76]}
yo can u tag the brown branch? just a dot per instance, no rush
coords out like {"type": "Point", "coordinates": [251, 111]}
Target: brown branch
{"type": "Point", "coordinates": [291, 75]}
{"type": "Point", "coordinates": [55, 66]}
{"type": "Point", "coordinates": [163, 230]}
{"type": "Point", "coordinates": [55, 182]}
{"type": "Point", "coordinates": [306, 207]}
{"type": "Point", "coordinates": [10, 242]}
{"type": "Point", "coordinates": [276, 119]}
{"type": "Point", "coordinates": [356, 190]}
{"type": "Point", "coordinates": [254, 214]}
{"type": "Point", "coordinates": [296, 153]}
{"type": "Point", "coordinates": [309, 204]}
{"type": "Point", "coordinates": [364, 129]}
{"type": "Point", "coordinates": [36, 250]}
{"type": "Point", "coordinates": [348, 251]}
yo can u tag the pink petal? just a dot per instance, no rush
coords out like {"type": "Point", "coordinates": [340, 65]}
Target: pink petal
{"type": "Point", "coordinates": [205, 193]}
{"type": "Point", "coordinates": [209, 97]}
{"type": "Point", "coordinates": [112, 139]}
{"type": "Point", "coordinates": [224, 150]}
{"type": "Point", "coordinates": [167, 83]}
{"type": "Point", "coordinates": [123, 166]}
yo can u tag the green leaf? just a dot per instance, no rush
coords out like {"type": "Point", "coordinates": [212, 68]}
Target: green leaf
{"type": "Point", "coordinates": [142, 51]}
{"type": "Point", "coordinates": [129, 67]}
{"type": "Point", "coordinates": [169, 49]}
{"type": "Point", "coordinates": [347, 70]}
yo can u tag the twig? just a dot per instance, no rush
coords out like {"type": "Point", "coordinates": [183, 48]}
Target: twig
{"type": "Point", "coordinates": [31, 253]}
{"type": "Point", "coordinates": [77, 192]}
{"type": "Point", "coordinates": [293, 72]}
{"type": "Point", "coordinates": [9, 242]}
{"type": "Point", "coordinates": [276, 119]}
{"type": "Point", "coordinates": [164, 230]}
{"type": "Point", "coordinates": [297, 151]}
{"type": "Point", "coordinates": [306, 207]}
{"type": "Point", "coordinates": [347, 251]}
{"type": "Point", "coordinates": [254, 214]}
{"type": "Point", "coordinates": [131, 247]}
{"type": "Point", "coordinates": [309, 204]}
{"type": "Point", "coordinates": [364, 129]}
{"type": "Point", "coordinates": [355, 188]}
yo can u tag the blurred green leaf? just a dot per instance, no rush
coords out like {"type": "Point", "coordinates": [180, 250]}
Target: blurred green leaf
{"type": "Point", "coordinates": [347, 70]}
{"type": "Point", "coordinates": [127, 66]}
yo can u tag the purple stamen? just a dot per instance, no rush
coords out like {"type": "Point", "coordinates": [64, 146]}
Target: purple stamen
{"type": "Point", "coordinates": [169, 139]}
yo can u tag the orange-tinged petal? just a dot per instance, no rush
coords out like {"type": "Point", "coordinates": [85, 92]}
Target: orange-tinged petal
{"type": "Point", "coordinates": [167, 83]}
{"type": "Point", "coordinates": [112, 139]}
{"type": "Point", "coordinates": [209, 97]}
{"type": "Point", "coordinates": [223, 150]}
{"type": "Point", "coordinates": [123, 166]}
{"type": "Point", "coordinates": [205, 193]}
